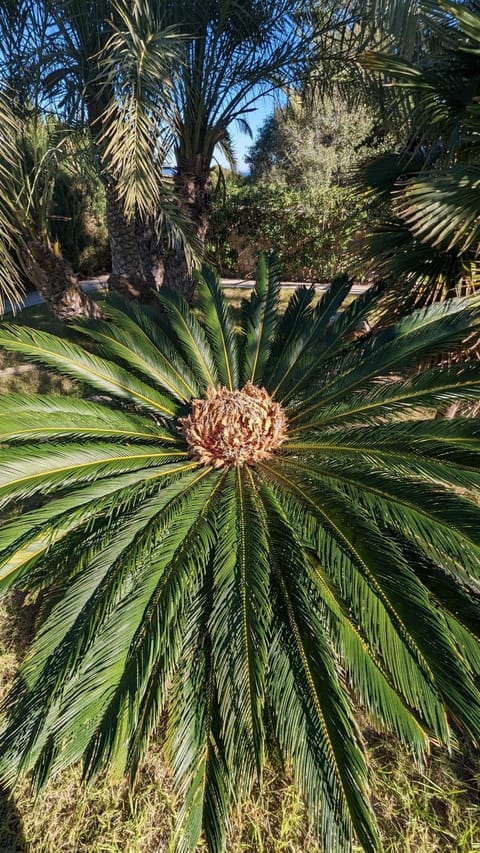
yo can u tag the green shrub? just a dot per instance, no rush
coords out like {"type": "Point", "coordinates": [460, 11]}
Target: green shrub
{"type": "Point", "coordinates": [309, 231]}
{"type": "Point", "coordinates": [79, 221]}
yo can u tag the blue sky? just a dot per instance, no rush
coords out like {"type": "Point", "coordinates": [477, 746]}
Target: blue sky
{"type": "Point", "coordinates": [241, 141]}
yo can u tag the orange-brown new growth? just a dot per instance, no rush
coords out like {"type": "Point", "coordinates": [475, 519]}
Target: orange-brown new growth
{"type": "Point", "coordinates": [229, 428]}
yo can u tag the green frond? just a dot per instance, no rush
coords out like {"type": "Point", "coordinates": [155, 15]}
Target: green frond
{"type": "Point", "coordinates": [137, 59]}
{"type": "Point", "coordinates": [219, 327]}
{"type": "Point", "coordinates": [109, 600]}
{"type": "Point", "coordinates": [296, 315]}
{"type": "Point", "coordinates": [121, 340]}
{"type": "Point", "coordinates": [239, 624]}
{"type": "Point", "coordinates": [74, 361]}
{"type": "Point", "coordinates": [136, 320]}
{"type": "Point", "coordinates": [431, 388]}
{"type": "Point", "coordinates": [333, 338]}
{"type": "Point", "coordinates": [291, 362]}
{"type": "Point", "coordinates": [443, 208]}
{"type": "Point", "coordinates": [176, 567]}
{"type": "Point", "coordinates": [24, 417]}
{"type": "Point", "coordinates": [348, 321]}
{"type": "Point", "coordinates": [33, 540]}
{"type": "Point", "coordinates": [192, 340]}
{"type": "Point", "coordinates": [195, 743]}
{"type": "Point", "coordinates": [406, 599]}
{"type": "Point", "coordinates": [29, 470]}
{"type": "Point", "coordinates": [458, 601]}
{"type": "Point", "coordinates": [11, 285]}
{"type": "Point", "coordinates": [260, 319]}
{"type": "Point", "coordinates": [193, 558]}
{"type": "Point", "coordinates": [358, 451]}
{"type": "Point", "coordinates": [313, 717]}
{"type": "Point", "coordinates": [428, 240]}
{"type": "Point", "coordinates": [369, 682]}
{"type": "Point", "coordinates": [355, 565]}
{"type": "Point", "coordinates": [440, 328]}
{"type": "Point", "coordinates": [441, 525]}
{"type": "Point", "coordinates": [467, 644]}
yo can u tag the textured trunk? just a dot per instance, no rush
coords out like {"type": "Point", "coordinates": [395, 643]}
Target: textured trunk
{"type": "Point", "coordinates": [194, 189]}
{"type": "Point", "coordinates": [127, 269]}
{"type": "Point", "coordinates": [151, 256]}
{"type": "Point", "coordinates": [55, 281]}
{"type": "Point", "coordinates": [137, 266]}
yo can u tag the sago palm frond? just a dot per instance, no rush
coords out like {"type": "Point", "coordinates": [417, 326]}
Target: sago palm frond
{"type": "Point", "coordinates": [264, 526]}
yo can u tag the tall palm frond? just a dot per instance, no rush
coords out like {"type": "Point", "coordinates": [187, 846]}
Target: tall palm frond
{"type": "Point", "coordinates": [261, 525]}
{"type": "Point", "coordinates": [11, 287]}
{"type": "Point", "coordinates": [138, 62]}
{"type": "Point", "coordinates": [139, 58]}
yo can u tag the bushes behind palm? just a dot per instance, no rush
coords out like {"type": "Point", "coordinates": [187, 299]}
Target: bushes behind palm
{"type": "Point", "coordinates": [309, 230]}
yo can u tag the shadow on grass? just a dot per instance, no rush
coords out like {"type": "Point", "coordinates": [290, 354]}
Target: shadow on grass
{"type": "Point", "coordinates": [12, 839]}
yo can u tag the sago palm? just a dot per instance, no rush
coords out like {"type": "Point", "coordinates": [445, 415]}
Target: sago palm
{"type": "Point", "coordinates": [254, 529]}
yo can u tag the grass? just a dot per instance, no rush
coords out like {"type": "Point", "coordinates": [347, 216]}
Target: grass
{"type": "Point", "coordinates": [434, 810]}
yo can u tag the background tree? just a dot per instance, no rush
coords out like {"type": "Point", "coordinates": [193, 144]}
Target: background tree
{"type": "Point", "coordinates": [142, 89]}
{"type": "Point", "coordinates": [310, 230]}
{"type": "Point", "coordinates": [235, 52]}
{"type": "Point", "coordinates": [299, 199]}
{"type": "Point", "coordinates": [313, 142]}
{"type": "Point", "coordinates": [113, 62]}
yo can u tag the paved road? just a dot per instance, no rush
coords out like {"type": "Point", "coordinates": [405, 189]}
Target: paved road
{"type": "Point", "coordinates": [100, 283]}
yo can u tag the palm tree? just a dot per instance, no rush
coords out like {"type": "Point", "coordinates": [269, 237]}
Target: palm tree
{"type": "Point", "coordinates": [31, 149]}
{"type": "Point", "coordinates": [431, 234]}
{"type": "Point", "coordinates": [154, 76]}
{"type": "Point", "coordinates": [125, 53]}
{"type": "Point", "coordinates": [99, 63]}
{"type": "Point", "coordinates": [258, 528]}
{"type": "Point", "coordinates": [234, 53]}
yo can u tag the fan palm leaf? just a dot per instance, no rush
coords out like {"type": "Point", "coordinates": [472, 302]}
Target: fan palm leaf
{"type": "Point", "coordinates": [261, 526]}
{"type": "Point", "coordinates": [430, 237]}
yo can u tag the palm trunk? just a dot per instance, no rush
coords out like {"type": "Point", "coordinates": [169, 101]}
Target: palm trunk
{"type": "Point", "coordinates": [151, 256]}
{"type": "Point", "coordinates": [193, 187]}
{"type": "Point", "coordinates": [127, 273]}
{"type": "Point", "coordinates": [137, 265]}
{"type": "Point", "coordinates": [54, 279]}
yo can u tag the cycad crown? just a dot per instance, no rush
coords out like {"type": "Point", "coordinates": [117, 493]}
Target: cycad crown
{"type": "Point", "coordinates": [261, 593]}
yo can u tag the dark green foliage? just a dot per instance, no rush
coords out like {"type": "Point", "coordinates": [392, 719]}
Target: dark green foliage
{"type": "Point", "coordinates": [428, 231]}
{"type": "Point", "coordinates": [78, 221]}
{"type": "Point", "coordinates": [314, 142]}
{"type": "Point", "coordinates": [260, 603]}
